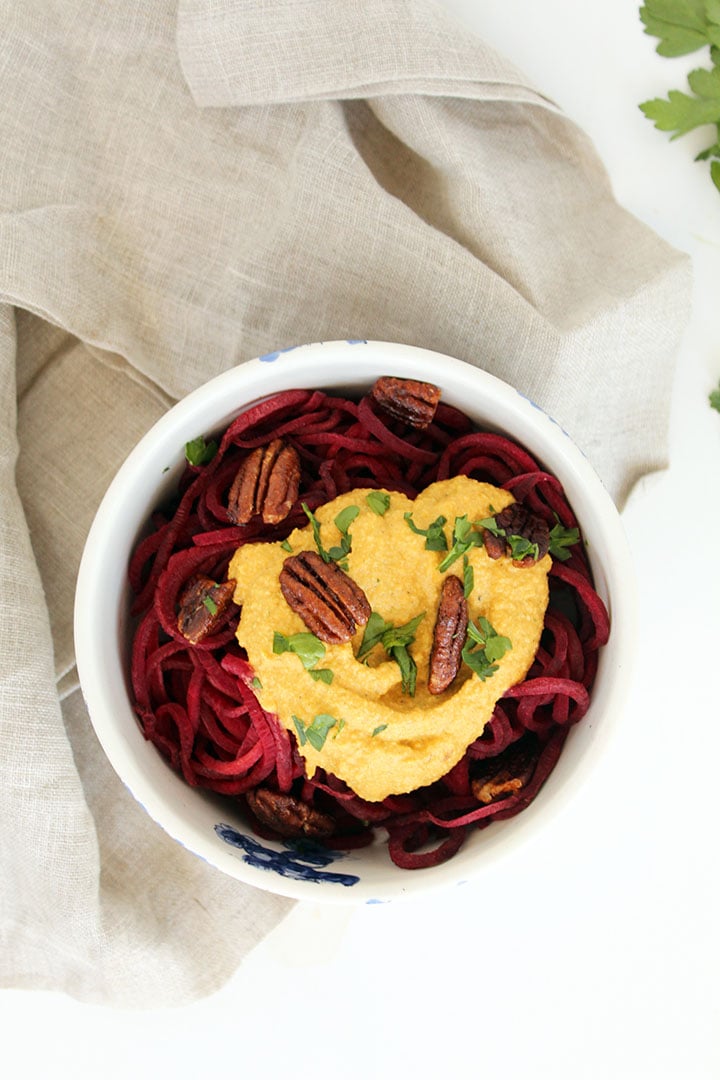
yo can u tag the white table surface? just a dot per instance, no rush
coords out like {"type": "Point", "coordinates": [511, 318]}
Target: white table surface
{"type": "Point", "coordinates": [595, 953]}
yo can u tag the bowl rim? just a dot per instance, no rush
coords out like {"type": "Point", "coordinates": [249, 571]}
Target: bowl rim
{"type": "Point", "coordinates": [342, 366]}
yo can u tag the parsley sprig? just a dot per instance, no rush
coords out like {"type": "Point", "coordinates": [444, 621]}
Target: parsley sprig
{"type": "Point", "coordinates": [316, 732]}
{"type": "Point", "coordinates": [200, 452]}
{"type": "Point", "coordinates": [396, 641]}
{"type": "Point", "coordinates": [683, 26]}
{"type": "Point", "coordinates": [464, 537]}
{"type": "Point", "coordinates": [435, 539]}
{"type": "Point", "coordinates": [484, 647]}
{"type": "Point", "coordinates": [308, 648]}
{"type": "Point", "coordinates": [339, 552]}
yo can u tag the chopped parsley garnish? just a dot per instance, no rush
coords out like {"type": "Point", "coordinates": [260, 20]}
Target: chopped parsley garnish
{"type": "Point", "coordinates": [468, 577]}
{"type": "Point", "coordinates": [435, 539]}
{"type": "Point", "coordinates": [256, 684]}
{"type": "Point", "coordinates": [210, 604]}
{"type": "Point", "coordinates": [520, 546]}
{"type": "Point", "coordinates": [199, 452]}
{"type": "Point", "coordinates": [343, 521]}
{"type": "Point", "coordinates": [396, 641]}
{"type": "Point", "coordinates": [323, 674]}
{"type": "Point", "coordinates": [483, 648]}
{"type": "Point", "coordinates": [561, 538]}
{"type": "Point", "coordinates": [378, 729]}
{"type": "Point", "coordinates": [316, 732]}
{"type": "Point", "coordinates": [378, 501]}
{"type": "Point", "coordinates": [305, 645]}
{"type": "Point", "coordinates": [286, 545]}
{"type": "Point", "coordinates": [464, 538]}
{"type": "Point", "coordinates": [714, 399]}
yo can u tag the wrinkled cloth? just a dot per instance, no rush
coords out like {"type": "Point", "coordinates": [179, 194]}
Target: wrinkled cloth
{"type": "Point", "coordinates": [186, 186]}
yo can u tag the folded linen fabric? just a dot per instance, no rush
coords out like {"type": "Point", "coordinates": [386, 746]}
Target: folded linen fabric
{"type": "Point", "coordinates": [183, 187]}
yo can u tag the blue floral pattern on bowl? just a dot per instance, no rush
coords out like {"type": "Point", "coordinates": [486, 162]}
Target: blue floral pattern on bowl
{"type": "Point", "coordinates": [302, 860]}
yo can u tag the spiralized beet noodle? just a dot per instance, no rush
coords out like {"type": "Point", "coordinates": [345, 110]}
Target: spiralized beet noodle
{"type": "Point", "coordinates": [196, 702]}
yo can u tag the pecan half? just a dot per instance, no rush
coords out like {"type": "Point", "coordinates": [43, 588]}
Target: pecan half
{"type": "Point", "coordinates": [327, 599]}
{"type": "Point", "coordinates": [409, 400]}
{"type": "Point", "coordinates": [287, 815]}
{"type": "Point", "coordinates": [203, 604]}
{"type": "Point", "coordinates": [506, 774]}
{"type": "Point", "coordinates": [448, 635]}
{"type": "Point", "coordinates": [517, 520]}
{"type": "Point", "coordinates": [267, 483]}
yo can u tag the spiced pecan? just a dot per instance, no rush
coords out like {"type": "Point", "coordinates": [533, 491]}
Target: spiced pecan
{"type": "Point", "coordinates": [409, 400]}
{"type": "Point", "coordinates": [328, 601]}
{"type": "Point", "coordinates": [267, 483]}
{"type": "Point", "coordinates": [517, 520]}
{"type": "Point", "coordinates": [448, 635]}
{"type": "Point", "coordinates": [506, 774]}
{"type": "Point", "coordinates": [288, 816]}
{"type": "Point", "coordinates": [203, 604]}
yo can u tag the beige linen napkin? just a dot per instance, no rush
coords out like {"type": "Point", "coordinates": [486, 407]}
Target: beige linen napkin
{"type": "Point", "coordinates": [185, 187]}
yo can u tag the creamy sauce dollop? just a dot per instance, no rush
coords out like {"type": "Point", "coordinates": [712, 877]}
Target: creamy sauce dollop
{"type": "Point", "coordinates": [385, 741]}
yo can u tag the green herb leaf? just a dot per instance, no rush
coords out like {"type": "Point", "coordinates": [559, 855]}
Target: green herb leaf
{"type": "Point", "coordinates": [345, 518]}
{"type": "Point", "coordinates": [561, 538]}
{"type": "Point", "coordinates": [464, 537]}
{"type": "Point", "coordinates": [483, 648]}
{"type": "Point", "coordinates": [305, 645]}
{"type": "Point", "coordinates": [210, 604]}
{"type": "Point", "coordinates": [408, 669]}
{"type": "Point", "coordinates": [435, 539]}
{"type": "Point", "coordinates": [256, 684]}
{"type": "Point", "coordinates": [468, 577]}
{"type": "Point", "coordinates": [714, 398]}
{"type": "Point", "coordinates": [324, 555]}
{"type": "Point", "coordinates": [317, 732]}
{"type": "Point", "coordinates": [681, 25]}
{"type": "Point", "coordinates": [323, 674]}
{"type": "Point", "coordinates": [378, 729]}
{"type": "Point", "coordinates": [395, 640]}
{"type": "Point", "coordinates": [375, 627]}
{"type": "Point", "coordinates": [378, 501]}
{"type": "Point", "coordinates": [286, 545]}
{"type": "Point", "coordinates": [300, 728]}
{"type": "Point", "coordinates": [199, 452]}
{"type": "Point", "coordinates": [338, 727]}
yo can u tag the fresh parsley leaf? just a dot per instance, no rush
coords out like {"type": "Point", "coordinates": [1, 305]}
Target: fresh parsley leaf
{"type": "Point", "coordinates": [286, 545]}
{"type": "Point", "coordinates": [483, 648]}
{"type": "Point", "coordinates": [305, 645]}
{"type": "Point", "coordinates": [681, 25]}
{"type": "Point", "coordinates": [324, 555]}
{"type": "Point", "coordinates": [323, 674]}
{"type": "Point", "coordinates": [300, 728]}
{"type": "Point", "coordinates": [435, 539]}
{"type": "Point", "coordinates": [561, 538]}
{"type": "Point", "coordinates": [378, 501]}
{"type": "Point", "coordinates": [210, 604]}
{"type": "Point", "coordinates": [343, 521]}
{"type": "Point", "coordinates": [680, 113]}
{"type": "Point", "coordinates": [396, 641]}
{"type": "Point", "coordinates": [199, 452]}
{"type": "Point", "coordinates": [464, 537]}
{"type": "Point", "coordinates": [338, 727]}
{"type": "Point", "coordinates": [256, 684]}
{"type": "Point", "coordinates": [714, 398]}
{"type": "Point", "coordinates": [468, 577]}
{"type": "Point", "coordinates": [317, 732]}
{"type": "Point", "coordinates": [378, 729]}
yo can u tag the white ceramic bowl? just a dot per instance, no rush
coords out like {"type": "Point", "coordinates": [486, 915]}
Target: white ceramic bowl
{"type": "Point", "coordinates": [102, 622]}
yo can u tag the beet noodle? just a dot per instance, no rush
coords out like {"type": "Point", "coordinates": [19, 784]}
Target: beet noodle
{"type": "Point", "coordinates": [196, 702]}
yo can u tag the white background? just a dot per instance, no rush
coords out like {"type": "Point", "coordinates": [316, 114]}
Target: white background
{"type": "Point", "coordinates": [595, 953]}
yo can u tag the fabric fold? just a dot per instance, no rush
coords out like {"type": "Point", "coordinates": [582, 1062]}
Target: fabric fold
{"type": "Point", "coordinates": [249, 53]}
